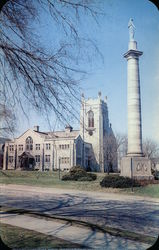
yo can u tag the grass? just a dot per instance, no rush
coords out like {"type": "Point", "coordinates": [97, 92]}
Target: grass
{"type": "Point", "coordinates": [19, 238]}
{"type": "Point", "coordinates": [47, 179]}
{"type": "Point", "coordinates": [151, 190]}
{"type": "Point", "coordinates": [50, 179]}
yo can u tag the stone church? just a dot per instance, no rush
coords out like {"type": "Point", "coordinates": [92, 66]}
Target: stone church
{"type": "Point", "coordinates": [87, 146]}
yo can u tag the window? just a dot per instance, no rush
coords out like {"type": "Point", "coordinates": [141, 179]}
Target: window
{"type": "Point", "coordinates": [65, 146]}
{"type": "Point", "coordinates": [20, 147]}
{"type": "Point", "coordinates": [47, 158]}
{"type": "Point", "coordinates": [11, 148]}
{"type": "Point", "coordinates": [37, 158]}
{"type": "Point", "coordinates": [65, 160]}
{"type": "Point", "coordinates": [37, 146]}
{"type": "Point", "coordinates": [29, 143]}
{"type": "Point", "coordinates": [48, 146]}
{"type": "Point", "coordinates": [90, 119]}
{"type": "Point", "coordinates": [10, 159]}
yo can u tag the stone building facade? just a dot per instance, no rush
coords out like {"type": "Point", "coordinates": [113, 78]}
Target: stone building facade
{"type": "Point", "coordinates": [64, 149]}
{"type": "Point", "coordinates": [96, 129]}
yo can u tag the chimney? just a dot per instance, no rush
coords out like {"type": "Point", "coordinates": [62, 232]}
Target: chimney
{"type": "Point", "coordinates": [36, 128]}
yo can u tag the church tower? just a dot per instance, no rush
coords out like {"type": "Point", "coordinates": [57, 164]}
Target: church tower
{"type": "Point", "coordinates": [94, 125]}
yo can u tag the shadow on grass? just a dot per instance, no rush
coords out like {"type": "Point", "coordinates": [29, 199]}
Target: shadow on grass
{"type": "Point", "coordinates": [14, 237]}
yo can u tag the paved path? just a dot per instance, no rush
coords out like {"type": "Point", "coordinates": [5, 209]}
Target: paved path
{"type": "Point", "coordinates": [131, 213]}
{"type": "Point", "coordinates": [80, 235]}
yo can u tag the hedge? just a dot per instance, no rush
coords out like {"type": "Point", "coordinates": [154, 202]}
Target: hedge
{"type": "Point", "coordinates": [78, 173]}
{"type": "Point", "coordinates": [156, 175]}
{"type": "Point", "coordinates": [118, 182]}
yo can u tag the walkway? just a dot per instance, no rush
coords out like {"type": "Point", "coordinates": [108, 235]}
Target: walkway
{"type": "Point", "coordinates": [130, 213]}
{"type": "Point", "coordinates": [84, 236]}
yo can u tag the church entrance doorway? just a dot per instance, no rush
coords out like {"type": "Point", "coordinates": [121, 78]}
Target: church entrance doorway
{"type": "Point", "coordinates": [26, 161]}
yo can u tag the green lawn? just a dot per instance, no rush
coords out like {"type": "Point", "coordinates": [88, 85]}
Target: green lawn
{"type": "Point", "coordinates": [149, 190]}
{"type": "Point", "coordinates": [51, 179]}
{"type": "Point", "coordinates": [47, 179]}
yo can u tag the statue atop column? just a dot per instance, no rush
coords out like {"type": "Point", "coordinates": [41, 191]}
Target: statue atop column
{"type": "Point", "coordinates": [131, 28]}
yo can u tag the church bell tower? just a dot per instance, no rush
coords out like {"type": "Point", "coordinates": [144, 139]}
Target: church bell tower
{"type": "Point", "coordinates": [94, 124]}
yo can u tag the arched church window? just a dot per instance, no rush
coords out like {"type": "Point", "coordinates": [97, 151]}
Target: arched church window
{"type": "Point", "coordinates": [29, 143]}
{"type": "Point", "coordinates": [90, 119]}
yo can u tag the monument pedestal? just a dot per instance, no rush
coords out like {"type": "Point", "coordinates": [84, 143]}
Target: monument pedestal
{"type": "Point", "coordinates": [136, 167]}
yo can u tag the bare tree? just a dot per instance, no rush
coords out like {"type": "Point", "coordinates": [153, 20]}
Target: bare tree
{"type": "Point", "coordinates": [150, 148]}
{"type": "Point", "coordinates": [122, 144]}
{"type": "Point", "coordinates": [31, 73]}
{"type": "Point", "coordinates": [7, 121]}
{"type": "Point", "coordinates": [110, 152]}
{"type": "Point", "coordinates": [115, 147]}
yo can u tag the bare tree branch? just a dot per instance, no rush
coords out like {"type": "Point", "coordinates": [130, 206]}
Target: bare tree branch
{"type": "Point", "coordinates": [150, 148]}
{"type": "Point", "coordinates": [48, 80]}
{"type": "Point", "coordinates": [7, 121]}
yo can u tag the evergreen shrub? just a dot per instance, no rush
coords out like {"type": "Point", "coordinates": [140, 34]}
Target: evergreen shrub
{"type": "Point", "coordinates": [156, 175]}
{"type": "Point", "coordinates": [78, 173]}
{"type": "Point", "coordinates": [114, 181]}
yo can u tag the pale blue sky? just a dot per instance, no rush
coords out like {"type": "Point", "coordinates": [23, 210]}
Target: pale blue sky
{"type": "Point", "coordinates": [111, 36]}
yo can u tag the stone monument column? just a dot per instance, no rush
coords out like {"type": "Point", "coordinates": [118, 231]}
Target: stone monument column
{"type": "Point", "coordinates": [134, 165]}
{"type": "Point", "coordinates": [133, 95]}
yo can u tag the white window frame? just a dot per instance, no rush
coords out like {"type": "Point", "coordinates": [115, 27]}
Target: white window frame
{"type": "Point", "coordinates": [37, 146]}
{"type": "Point", "coordinates": [37, 158]}
{"type": "Point", "coordinates": [48, 146]}
{"type": "Point", "coordinates": [47, 158]}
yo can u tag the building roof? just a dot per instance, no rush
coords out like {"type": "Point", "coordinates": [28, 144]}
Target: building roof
{"type": "Point", "coordinates": [26, 155]}
{"type": "Point", "coordinates": [63, 134]}
{"type": "Point", "coordinates": [40, 132]}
